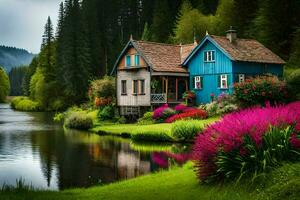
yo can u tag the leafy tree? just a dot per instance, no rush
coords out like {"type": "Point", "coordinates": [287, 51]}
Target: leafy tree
{"type": "Point", "coordinates": [37, 87]}
{"type": "Point", "coordinates": [4, 85]}
{"type": "Point", "coordinates": [224, 16]}
{"type": "Point", "coordinates": [27, 77]}
{"type": "Point", "coordinates": [190, 23]}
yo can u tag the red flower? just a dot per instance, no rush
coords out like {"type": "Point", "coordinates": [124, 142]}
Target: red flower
{"type": "Point", "coordinates": [193, 113]}
{"type": "Point", "coordinates": [263, 94]}
{"type": "Point", "coordinates": [245, 91]}
{"type": "Point", "coordinates": [295, 142]}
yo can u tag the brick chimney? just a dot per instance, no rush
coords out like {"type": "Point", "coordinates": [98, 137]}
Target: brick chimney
{"type": "Point", "coordinates": [231, 35]}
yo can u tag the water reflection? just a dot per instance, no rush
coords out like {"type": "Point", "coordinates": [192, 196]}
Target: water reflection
{"type": "Point", "coordinates": [46, 156]}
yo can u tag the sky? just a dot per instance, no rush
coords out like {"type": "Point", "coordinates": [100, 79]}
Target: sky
{"type": "Point", "coordinates": [22, 22]}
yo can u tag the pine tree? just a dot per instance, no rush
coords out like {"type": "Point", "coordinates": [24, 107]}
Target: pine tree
{"type": "Point", "coordinates": [294, 60]}
{"type": "Point", "coordinates": [162, 21]}
{"type": "Point", "coordinates": [146, 33]}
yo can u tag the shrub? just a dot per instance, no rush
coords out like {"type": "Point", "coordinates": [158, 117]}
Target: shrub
{"type": "Point", "coordinates": [79, 120]}
{"type": "Point", "coordinates": [4, 85]}
{"type": "Point", "coordinates": [158, 112]}
{"type": "Point", "coordinates": [147, 119]}
{"type": "Point", "coordinates": [293, 82]}
{"type": "Point", "coordinates": [191, 114]}
{"type": "Point", "coordinates": [243, 143]}
{"type": "Point", "coordinates": [184, 130]}
{"type": "Point", "coordinates": [156, 136]}
{"type": "Point", "coordinates": [102, 88]}
{"type": "Point", "coordinates": [24, 104]}
{"type": "Point", "coordinates": [258, 91]}
{"type": "Point", "coordinates": [106, 113]}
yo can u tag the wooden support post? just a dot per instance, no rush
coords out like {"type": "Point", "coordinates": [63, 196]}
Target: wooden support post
{"type": "Point", "coordinates": [176, 89]}
{"type": "Point", "coordinates": [167, 88]}
{"type": "Point", "coordinates": [186, 85]}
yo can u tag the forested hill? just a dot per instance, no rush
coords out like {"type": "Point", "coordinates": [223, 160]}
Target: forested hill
{"type": "Point", "coordinates": [13, 57]}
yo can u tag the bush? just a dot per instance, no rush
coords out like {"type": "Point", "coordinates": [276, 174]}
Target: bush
{"type": "Point", "coordinates": [24, 104]}
{"type": "Point", "coordinates": [147, 119]}
{"type": "Point", "coordinates": [103, 88]}
{"type": "Point", "coordinates": [106, 113]}
{"type": "Point", "coordinates": [191, 114]}
{"type": "Point", "coordinates": [258, 91]}
{"type": "Point", "coordinates": [79, 120]}
{"type": "Point", "coordinates": [155, 136]}
{"type": "Point", "coordinates": [185, 130]}
{"type": "Point", "coordinates": [243, 143]}
{"type": "Point", "coordinates": [293, 82]}
{"type": "Point", "coordinates": [4, 85]}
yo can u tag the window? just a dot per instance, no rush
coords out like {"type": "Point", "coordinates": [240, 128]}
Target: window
{"type": "Point", "coordinates": [241, 78]}
{"type": "Point", "coordinates": [209, 56]}
{"type": "Point", "coordinates": [123, 87]}
{"type": "Point", "coordinates": [137, 60]}
{"type": "Point", "coordinates": [128, 61]}
{"type": "Point", "coordinates": [198, 81]}
{"type": "Point", "coordinates": [135, 86]}
{"type": "Point", "coordinates": [223, 81]}
{"type": "Point", "coordinates": [142, 87]}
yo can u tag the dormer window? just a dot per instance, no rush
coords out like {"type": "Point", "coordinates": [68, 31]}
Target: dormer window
{"type": "Point", "coordinates": [137, 60]}
{"type": "Point", "coordinates": [209, 56]}
{"type": "Point", "coordinates": [128, 61]}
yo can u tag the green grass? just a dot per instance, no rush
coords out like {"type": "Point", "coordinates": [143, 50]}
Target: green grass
{"type": "Point", "coordinates": [179, 183]}
{"type": "Point", "coordinates": [153, 132]}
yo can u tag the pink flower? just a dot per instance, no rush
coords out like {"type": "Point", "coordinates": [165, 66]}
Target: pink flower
{"type": "Point", "coordinates": [295, 141]}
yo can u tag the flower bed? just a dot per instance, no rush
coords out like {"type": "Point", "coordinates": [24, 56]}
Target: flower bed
{"type": "Point", "coordinates": [189, 114]}
{"type": "Point", "coordinates": [248, 142]}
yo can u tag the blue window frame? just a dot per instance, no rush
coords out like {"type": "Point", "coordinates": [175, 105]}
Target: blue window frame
{"type": "Point", "coordinates": [137, 60]}
{"type": "Point", "coordinates": [209, 56]}
{"type": "Point", "coordinates": [128, 61]}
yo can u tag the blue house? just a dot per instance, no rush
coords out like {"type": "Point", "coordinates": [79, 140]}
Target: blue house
{"type": "Point", "coordinates": [218, 62]}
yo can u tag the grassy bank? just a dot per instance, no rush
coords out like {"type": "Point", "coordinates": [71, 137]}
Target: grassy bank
{"type": "Point", "coordinates": [179, 183]}
{"type": "Point", "coordinates": [154, 132]}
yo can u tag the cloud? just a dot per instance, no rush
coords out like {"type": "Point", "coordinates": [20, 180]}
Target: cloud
{"type": "Point", "coordinates": [22, 22]}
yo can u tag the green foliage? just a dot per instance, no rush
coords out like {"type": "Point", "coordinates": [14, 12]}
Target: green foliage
{"type": "Point", "coordinates": [79, 120]}
{"type": "Point", "coordinates": [104, 87]}
{"type": "Point", "coordinates": [293, 82]}
{"type": "Point", "coordinates": [151, 135]}
{"type": "Point", "coordinates": [25, 104]}
{"type": "Point", "coordinates": [186, 130]}
{"type": "Point", "coordinates": [146, 33]}
{"type": "Point", "coordinates": [223, 105]}
{"type": "Point", "coordinates": [16, 77]}
{"type": "Point", "coordinates": [258, 91]}
{"type": "Point", "coordinates": [254, 160]}
{"type": "Point", "coordinates": [294, 60]}
{"type": "Point", "coordinates": [147, 119]}
{"type": "Point", "coordinates": [37, 87]}
{"type": "Point", "coordinates": [168, 112]}
{"type": "Point", "coordinates": [4, 85]}
{"type": "Point", "coordinates": [190, 22]}
{"type": "Point", "coordinates": [106, 113]}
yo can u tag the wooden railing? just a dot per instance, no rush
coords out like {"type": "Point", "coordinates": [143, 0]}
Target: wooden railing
{"type": "Point", "coordinates": [159, 98]}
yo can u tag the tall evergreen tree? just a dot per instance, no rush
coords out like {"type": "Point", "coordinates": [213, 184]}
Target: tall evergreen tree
{"type": "Point", "coordinates": [162, 21]}
{"type": "Point", "coordinates": [294, 60]}
{"type": "Point", "coordinates": [146, 33]}
{"type": "Point", "coordinates": [275, 24]}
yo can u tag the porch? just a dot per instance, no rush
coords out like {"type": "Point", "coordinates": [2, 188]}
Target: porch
{"type": "Point", "coordinates": [168, 89]}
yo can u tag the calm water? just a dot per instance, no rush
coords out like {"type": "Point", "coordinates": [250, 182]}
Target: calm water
{"type": "Point", "coordinates": [35, 149]}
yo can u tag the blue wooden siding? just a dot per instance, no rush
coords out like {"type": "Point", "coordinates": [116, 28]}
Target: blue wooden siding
{"type": "Point", "coordinates": [210, 72]}
{"type": "Point", "coordinates": [249, 68]}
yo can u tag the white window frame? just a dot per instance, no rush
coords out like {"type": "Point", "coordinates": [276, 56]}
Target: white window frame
{"type": "Point", "coordinates": [209, 56]}
{"type": "Point", "coordinates": [241, 78]}
{"type": "Point", "coordinates": [142, 87]}
{"type": "Point", "coordinates": [135, 83]}
{"type": "Point", "coordinates": [197, 79]}
{"type": "Point", "coordinates": [224, 78]}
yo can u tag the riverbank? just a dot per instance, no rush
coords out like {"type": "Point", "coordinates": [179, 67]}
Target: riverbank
{"type": "Point", "coordinates": [155, 132]}
{"type": "Point", "coordinates": [179, 183]}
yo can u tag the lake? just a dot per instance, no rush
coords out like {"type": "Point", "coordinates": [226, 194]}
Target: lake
{"type": "Point", "coordinates": [46, 156]}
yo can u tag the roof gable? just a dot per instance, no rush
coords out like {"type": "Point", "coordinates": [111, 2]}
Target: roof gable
{"type": "Point", "coordinates": [246, 50]}
{"type": "Point", "coordinates": [207, 38]}
{"type": "Point", "coordinates": [158, 56]}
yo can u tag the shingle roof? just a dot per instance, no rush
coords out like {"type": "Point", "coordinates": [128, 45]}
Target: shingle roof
{"type": "Point", "coordinates": [248, 50]}
{"type": "Point", "coordinates": [164, 57]}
